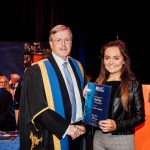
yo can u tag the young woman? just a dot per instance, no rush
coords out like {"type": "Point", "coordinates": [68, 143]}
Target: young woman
{"type": "Point", "coordinates": [126, 107]}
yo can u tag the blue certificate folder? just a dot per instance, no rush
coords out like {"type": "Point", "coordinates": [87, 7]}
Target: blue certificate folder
{"type": "Point", "coordinates": [96, 104]}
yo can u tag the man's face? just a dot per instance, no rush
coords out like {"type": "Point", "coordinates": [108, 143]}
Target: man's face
{"type": "Point", "coordinates": [14, 80]}
{"type": "Point", "coordinates": [61, 44]}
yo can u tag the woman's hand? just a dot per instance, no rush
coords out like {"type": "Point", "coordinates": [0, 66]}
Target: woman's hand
{"type": "Point", "coordinates": [107, 125]}
{"type": "Point", "coordinates": [85, 91]}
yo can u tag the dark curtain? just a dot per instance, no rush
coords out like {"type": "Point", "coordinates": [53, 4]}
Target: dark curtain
{"type": "Point", "coordinates": [25, 21]}
{"type": "Point", "coordinates": [92, 23]}
{"type": "Point", "coordinates": [29, 20]}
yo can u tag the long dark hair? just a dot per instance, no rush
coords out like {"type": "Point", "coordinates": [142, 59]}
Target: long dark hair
{"type": "Point", "coordinates": [126, 74]}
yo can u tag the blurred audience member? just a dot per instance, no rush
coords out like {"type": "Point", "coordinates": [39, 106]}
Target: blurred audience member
{"type": "Point", "coordinates": [27, 61]}
{"type": "Point", "coordinates": [15, 85]}
{"type": "Point", "coordinates": [7, 114]}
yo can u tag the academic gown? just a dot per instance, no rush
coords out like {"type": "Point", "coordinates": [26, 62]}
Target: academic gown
{"type": "Point", "coordinates": [34, 105]}
{"type": "Point", "coordinates": [7, 121]}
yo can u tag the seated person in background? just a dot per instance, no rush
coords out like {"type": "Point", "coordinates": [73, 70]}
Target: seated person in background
{"type": "Point", "coordinates": [15, 86]}
{"type": "Point", "coordinates": [7, 115]}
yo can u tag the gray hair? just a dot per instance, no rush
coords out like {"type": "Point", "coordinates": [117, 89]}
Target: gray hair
{"type": "Point", "coordinates": [57, 29]}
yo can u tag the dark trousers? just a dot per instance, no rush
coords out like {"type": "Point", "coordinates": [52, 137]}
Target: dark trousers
{"type": "Point", "coordinates": [76, 144]}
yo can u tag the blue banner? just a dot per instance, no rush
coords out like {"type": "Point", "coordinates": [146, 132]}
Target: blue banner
{"type": "Point", "coordinates": [12, 58]}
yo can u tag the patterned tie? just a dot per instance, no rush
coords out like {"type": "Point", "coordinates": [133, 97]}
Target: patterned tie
{"type": "Point", "coordinates": [70, 90]}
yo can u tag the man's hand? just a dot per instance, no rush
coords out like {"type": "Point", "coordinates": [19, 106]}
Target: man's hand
{"type": "Point", "coordinates": [82, 129]}
{"type": "Point", "coordinates": [75, 131]}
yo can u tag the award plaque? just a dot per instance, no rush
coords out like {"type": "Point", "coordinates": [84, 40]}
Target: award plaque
{"type": "Point", "coordinates": [96, 103]}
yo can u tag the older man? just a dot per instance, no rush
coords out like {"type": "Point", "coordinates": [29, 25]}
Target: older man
{"type": "Point", "coordinates": [51, 110]}
{"type": "Point", "coordinates": [15, 85]}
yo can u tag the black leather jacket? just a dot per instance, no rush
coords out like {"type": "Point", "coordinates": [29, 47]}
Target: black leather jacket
{"type": "Point", "coordinates": [127, 121]}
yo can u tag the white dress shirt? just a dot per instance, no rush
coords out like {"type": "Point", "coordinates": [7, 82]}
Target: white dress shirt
{"type": "Point", "coordinates": [59, 61]}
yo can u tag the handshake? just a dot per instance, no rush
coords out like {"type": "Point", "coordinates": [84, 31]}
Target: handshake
{"type": "Point", "coordinates": [76, 131]}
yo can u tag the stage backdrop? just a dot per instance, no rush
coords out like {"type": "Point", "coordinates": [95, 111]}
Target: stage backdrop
{"type": "Point", "coordinates": [142, 134]}
{"type": "Point", "coordinates": [16, 57]}
{"type": "Point", "coordinates": [11, 58]}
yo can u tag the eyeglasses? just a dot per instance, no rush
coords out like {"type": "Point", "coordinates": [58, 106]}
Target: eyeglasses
{"type": "Point", "coordinates": [60, 41]}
